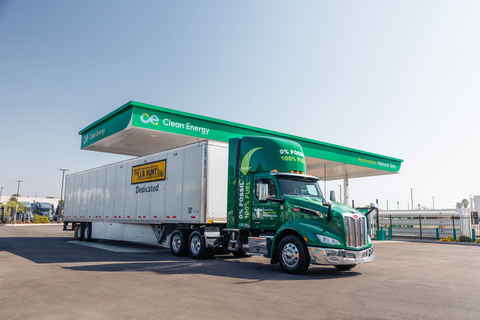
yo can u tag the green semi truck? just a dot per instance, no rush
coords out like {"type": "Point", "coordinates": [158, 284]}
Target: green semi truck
{"type": "Point", "coordinates": [253, 198]}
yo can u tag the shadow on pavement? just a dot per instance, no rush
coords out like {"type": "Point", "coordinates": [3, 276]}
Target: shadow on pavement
{"type": "Point", "coordinates": [58, 250]}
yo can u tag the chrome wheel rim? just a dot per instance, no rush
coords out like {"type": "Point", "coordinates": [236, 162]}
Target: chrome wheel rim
{"type": "Point", "coordinates": [290, 255]}
{"type": "Point", "coordinates": [176, 242]}
{"type": "Point", "coordinates": [195, 245]}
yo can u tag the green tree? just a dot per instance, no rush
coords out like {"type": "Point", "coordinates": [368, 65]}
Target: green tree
{"type": "Point", "coordinates": [50, 197]}
{"type": "Point", "coordinates": [465, 203]}
{"type": "Point", "coordinates": [16, 195]}
{"type": "Point", "coordinates": [11, 206]}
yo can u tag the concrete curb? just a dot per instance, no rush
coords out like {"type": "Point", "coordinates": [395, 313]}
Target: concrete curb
{"type": "Point", "coordinates": [432, 241]}
{"type": "Point", "coordinates": [31, 224]}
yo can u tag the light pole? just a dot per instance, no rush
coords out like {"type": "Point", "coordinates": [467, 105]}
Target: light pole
{"type": "Point", "coordinates": [398, 205]}
{"type": "Point", "coordinates": [411, 194]}
{"type": "Point", "coordinates": [340, 193]}
{"type": "Point", "coordinates": [3, 208]}
{"type": "Point", "coordinates": [433, 197]}
{"type": "Point", "coordinates": [18, 193]}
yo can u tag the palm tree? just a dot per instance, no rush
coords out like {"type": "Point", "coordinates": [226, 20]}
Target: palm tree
{"type": "Point", "coordinates": [12, 204]}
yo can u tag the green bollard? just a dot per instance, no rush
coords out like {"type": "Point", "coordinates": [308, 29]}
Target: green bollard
{"type": "Point", "coordinates": [438, 235]}
{"type": "Point", "coordinates": [390, 232]}
{"type": "Point", "coordinates": [454, 234]}
{"type": "Point", "coordinates": [381, 234]}
{"type": "Point", "coordinates": [473, 235]}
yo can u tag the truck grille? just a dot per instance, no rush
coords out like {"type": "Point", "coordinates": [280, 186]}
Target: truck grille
{"type": "Point", "coordinates": [355, 230]}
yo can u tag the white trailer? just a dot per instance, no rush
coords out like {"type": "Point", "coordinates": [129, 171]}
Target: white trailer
{"type": "Point", "coordinates": [146, 198]}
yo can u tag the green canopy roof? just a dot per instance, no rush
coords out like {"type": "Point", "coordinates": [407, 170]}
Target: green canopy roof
{"type": "Point", "coordinates": [139, 129]}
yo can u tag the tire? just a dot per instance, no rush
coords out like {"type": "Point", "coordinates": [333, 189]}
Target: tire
{"type": "Point", "coordinates": [196, 246]}
{"type": "Point", "coordinates": [80, 234]}
{"type": "Point", "coordinates": [87, 232]}
{"type": "Point", "coordinates": [179, 243]}
{"type": "Point", "coordinates": [345, 267]}
{"type": "Point", "coordinates": [293, 255]}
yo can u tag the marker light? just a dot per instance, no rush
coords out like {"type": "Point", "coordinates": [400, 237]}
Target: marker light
{"type": "Point", "coordinates": [292, 171]}
{"type": "Point", "coordinates": [274, 170]}
{"type": "Point", "coordinates": [302, 172]}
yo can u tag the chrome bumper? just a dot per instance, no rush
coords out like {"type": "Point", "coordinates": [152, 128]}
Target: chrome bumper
{"type": "Point", "coordinates": [331, 256]}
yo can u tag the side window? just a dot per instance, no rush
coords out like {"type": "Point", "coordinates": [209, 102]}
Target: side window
{"type": "Point", "coordinates": [272, 192]}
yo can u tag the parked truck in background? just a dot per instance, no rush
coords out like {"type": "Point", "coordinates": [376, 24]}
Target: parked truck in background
{"type": "Point", "coordinates": [42, 209]}
{"type": "Point", "coordinates": [250, 197]}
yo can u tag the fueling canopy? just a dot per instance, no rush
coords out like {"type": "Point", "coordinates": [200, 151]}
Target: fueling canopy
{"type": "Point", "coordinates": [139, 129]}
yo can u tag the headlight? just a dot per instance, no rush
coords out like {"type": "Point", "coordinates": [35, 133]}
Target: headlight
{"type": "Point", "coordinates": [328, 240]}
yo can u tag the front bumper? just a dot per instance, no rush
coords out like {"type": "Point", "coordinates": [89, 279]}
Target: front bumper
{"type": "Point", "coordinates": [330, 256]}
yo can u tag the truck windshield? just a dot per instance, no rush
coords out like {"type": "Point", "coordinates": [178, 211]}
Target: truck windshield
{"type": "Point", "coordinates": [298, 187]}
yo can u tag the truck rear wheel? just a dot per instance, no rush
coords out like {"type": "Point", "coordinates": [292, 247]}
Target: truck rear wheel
{"type": "Point", "coordinates": [293, 255]}
{"type": "Point", "coordinates": [80, 233]}
{"type": "Point", "coordinates": [87, 232]}
{"type": "Point", "coordinates": [196, 246]}
{"type": "Point", "coordinates": [179, 243]}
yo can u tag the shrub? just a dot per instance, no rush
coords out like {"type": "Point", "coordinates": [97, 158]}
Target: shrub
{"type": "Point", "coordinates": [448, 239]}
{"type": "Point", "coordinates": [40, 219]}
{"type": "Point", "coordinates": [463, 238]}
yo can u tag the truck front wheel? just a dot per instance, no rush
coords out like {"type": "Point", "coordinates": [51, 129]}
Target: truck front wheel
{"type": "Point", "coordinates": [293, 255]}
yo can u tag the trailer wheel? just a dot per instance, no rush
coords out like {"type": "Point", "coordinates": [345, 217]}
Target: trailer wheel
{"type": "Point", "coordinates": [179, 243]}
{"type": "Point", "coordinates": [345, 267]}
{"type": "Point", "coordinates": [80, 234]}
{"type": "Point", "coordinates": [293, 255]}
{"type": "Point", "coordinates": [87, 232]}
{"type": "Point", "coordinates": [196, 246]}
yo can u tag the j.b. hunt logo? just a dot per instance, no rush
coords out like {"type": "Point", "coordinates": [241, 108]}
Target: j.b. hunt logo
{"type": "Point", "coordinates": [149, 172]}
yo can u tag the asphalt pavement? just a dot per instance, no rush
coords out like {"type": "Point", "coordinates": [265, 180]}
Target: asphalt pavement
{"type": "Point", "coordinates": [46, 274]}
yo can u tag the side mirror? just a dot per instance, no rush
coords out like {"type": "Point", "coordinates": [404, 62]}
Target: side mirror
{"type": "Point", "coordinates": [332, 195]}
{"type": "Point", "coordinates": [373, 206]}
{"type": "Point", "coordinates": [328, 204]}
{"type": "Point", "coordinates": [262, 192]}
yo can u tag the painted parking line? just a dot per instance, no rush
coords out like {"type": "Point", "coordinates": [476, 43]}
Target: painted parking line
{"type": "Point", "coordinates": [113, 248]}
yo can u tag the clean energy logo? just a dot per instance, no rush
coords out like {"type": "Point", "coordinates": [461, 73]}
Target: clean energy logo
{"type": "Point", "coordinates": [152, 119]}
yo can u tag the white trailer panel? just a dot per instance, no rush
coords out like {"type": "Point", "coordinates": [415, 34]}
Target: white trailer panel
{"type": "Point", "coordinates": [193, 189]}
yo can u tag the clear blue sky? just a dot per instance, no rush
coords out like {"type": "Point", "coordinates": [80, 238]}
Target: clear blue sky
{"type": "Point", "coordinates": [395, 78]}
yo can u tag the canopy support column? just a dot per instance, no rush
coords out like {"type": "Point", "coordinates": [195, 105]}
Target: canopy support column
{"type": "Point", "coordinates": [345, 190]}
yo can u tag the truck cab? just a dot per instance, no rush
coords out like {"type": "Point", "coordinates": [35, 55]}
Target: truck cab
{"type": "Point", "coordinates": [277, 210]}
